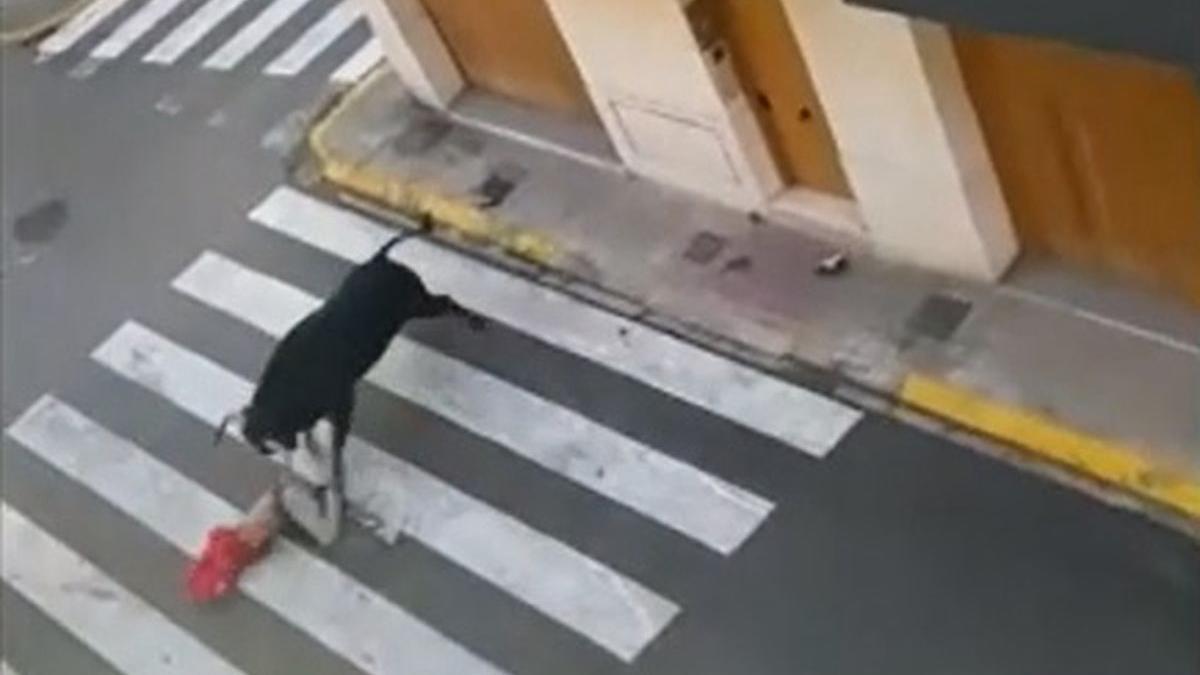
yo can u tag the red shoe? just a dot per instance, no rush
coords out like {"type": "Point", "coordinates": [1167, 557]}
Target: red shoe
{"type": "Point", "coordinates": [225, 556]}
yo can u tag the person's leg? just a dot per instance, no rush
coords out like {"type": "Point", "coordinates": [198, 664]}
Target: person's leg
{"type": "Point", "coordinates": [262, 521]}
{"type": "Point", "coordinates": [312, 498]}
{"type": "Point", "coordinates": [317, 510]}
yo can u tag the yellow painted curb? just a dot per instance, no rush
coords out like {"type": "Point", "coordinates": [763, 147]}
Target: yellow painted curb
{"type": "Point", "coordinates": [22, 34]}
{"type": "Point", "coordinates": [450, 213]}
{"type": "Point", "coordinates": [1039, 435]}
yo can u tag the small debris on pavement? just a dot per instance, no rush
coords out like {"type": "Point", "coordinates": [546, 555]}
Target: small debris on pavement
{"type": "Point", "coordinates": [84, 69]}
{"type": "Point", "coordinates": [742, 263]}
{"type": "Point", "coordinates": [833, 265]}
{"type": "Point", "coordinates": [168, 105]}
{"type": "Point", "coordinates": [287, 134]}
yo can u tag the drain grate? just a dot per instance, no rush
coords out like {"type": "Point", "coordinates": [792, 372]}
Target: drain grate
{"type": "Point", "coordinates": [939, 317]}
{"type": "Point", "coordinates": [501, 180]}
{"type": "Point", "coordinates": [704, 248]}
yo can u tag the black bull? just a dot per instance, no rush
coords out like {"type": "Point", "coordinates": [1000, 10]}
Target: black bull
{"type": "Point", "coordinates": [314, 370]}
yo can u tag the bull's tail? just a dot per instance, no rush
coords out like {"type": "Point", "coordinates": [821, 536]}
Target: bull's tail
{"type": "Point", "coordinates": [386, 248]}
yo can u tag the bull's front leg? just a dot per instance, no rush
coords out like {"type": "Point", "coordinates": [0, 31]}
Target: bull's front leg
{"type": "Point", "coordinates": [433, 306]}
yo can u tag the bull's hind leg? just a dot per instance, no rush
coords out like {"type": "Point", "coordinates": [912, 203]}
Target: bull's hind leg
{"type": "Point", "coordinates": [342, 416]}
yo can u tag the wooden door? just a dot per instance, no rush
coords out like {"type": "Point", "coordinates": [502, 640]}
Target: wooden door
{"type": "Point", "coordinates": [512, 48]}
{"type": "Point", "coordinates": [772, 70]}
{"type": "Point", "coordinates": [1098, 154]}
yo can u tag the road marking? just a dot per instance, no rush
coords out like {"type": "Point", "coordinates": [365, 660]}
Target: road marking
{"type": "Point", "coordinates": [131, 635]}
{"type": "Point", "coordinates": [800, 418]}
{"type": "Point", "coordinates": [79, 25]}
{"type": "Point", "coordinates": [1096, 457]}
{"type": "Point", "coordinates": [133, 28]}
{"type": "Point", "coordinates": [6, 669]}
{"type": "Point", "coordinates": [187, 34]}
{"type": "Point", "coordinates": [360, 62]}
{"type": "Point", "coordinates": [711, 511]}
{"type": "Point", "coordinates": [253, 34]}
{"type": "Point", "coordinates": [613, 611]}
{"type": "Point", "coordinates": [315, 40]}
{"type": "Point", "coordinates": [345, 616]}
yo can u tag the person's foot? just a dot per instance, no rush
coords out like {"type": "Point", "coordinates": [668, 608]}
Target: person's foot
{"type": "Point", "coordinates": [227, 553]}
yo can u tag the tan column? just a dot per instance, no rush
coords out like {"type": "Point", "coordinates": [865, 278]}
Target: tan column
{"type": "Point", "coordinates": [910, 141]}
{"type": "Point", "coordinates": [415, 50]}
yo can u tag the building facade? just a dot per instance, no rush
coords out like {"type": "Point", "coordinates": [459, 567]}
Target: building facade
{"type": "Point", "coordinates": [947, 138]}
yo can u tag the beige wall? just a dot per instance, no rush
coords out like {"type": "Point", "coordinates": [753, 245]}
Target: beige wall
{"type": "Point", "coordinates": [659, 102]}
{"type": "Point", "coordinates": [910, 144]}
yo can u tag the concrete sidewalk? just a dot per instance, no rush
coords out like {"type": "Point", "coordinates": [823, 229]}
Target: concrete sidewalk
{"type": "Point", "coordinates": [1099, 380]}
{"type": "Point", "coordinates": [25, 19]}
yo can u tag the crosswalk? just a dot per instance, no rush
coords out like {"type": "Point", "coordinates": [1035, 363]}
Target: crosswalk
{"type": "Point", "coordinates": [120, 28]}
{"type": "Point", "coordinates": [191, 31]}
{"type": "Point", "coordinates": [81, 597]}
{"type": "Point", "coordinates": [573, 587]}
{"type": "Point", "coordinates": [133, 28]}
{"type": "Point", "coordinates": [319, 36]}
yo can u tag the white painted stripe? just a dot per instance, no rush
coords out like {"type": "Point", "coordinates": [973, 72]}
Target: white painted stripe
{"type": "Point", "coordinates": [6, 669]}
{"type": "Point", "coordinates": [125, 631]}
{"type": "Point", "coordinates": [315, 40]}
{"type": "Point", "coordinates": [253, 34]}
{"type": "Point", "coordinates": [187, 34]}
{"type": "Point", "coordinates": [715, 513]}
{"type": "Point", "coordinates": [615, 612]}
{"type": "Point", "coordinates": [800, 418]}
{"type": "Point", "coordinates": [80, 25]}
{"type": "Point", "coordinates": [345, 616]}
{"type": "Point", "coordinates": [133, 28]}
{"type": "Point", "coordinates": [360, 62]}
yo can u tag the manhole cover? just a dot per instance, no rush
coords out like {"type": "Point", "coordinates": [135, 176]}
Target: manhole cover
{"type": "Point", "coordinates": [704, 248]}
{"type": "Point", "coordinates": [938, 317]}
{"type": "Point", "coordinates": [41, 223]}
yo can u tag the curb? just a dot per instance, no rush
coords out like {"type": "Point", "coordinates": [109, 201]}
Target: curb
{"type": "Point", "coordinates": [1113, 464]}
{"type": "Point", "coordinates": [1035, 436]}
{"type": "Point", "coordinates": [452, 214]}
{"type": "Point", "coordinates": [19, 35]}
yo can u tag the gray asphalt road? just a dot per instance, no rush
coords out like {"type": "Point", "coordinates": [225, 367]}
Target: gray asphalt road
{"type": "Point", "coordinates": [896, 553]}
